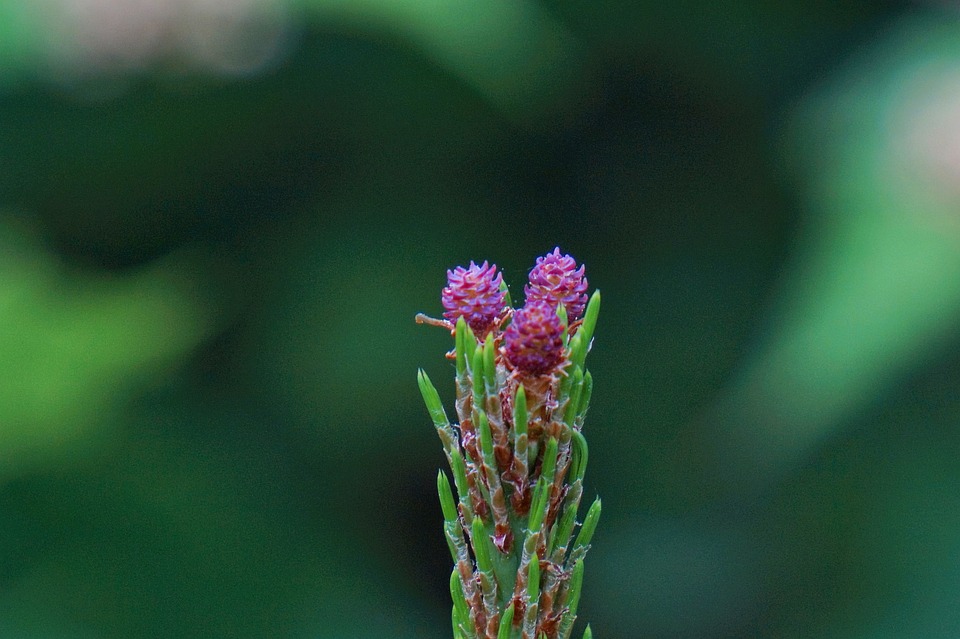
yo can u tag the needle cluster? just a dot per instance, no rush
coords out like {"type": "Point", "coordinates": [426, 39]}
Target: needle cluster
{"type": "Point", "coordinates": [517, 453]}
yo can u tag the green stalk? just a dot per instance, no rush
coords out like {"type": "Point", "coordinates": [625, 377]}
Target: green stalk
{"type": "Point", "coordinates": [585, 395]}
{"type": "Point", "coordinates": [533, 597]}
{"type": "Point", "coordinates": [520, 432]}
{"type": "Point", "coordinates": [489, 364]}
{"type": "Point", "coordinates": [582, 544]}
{"type": "Point", "coordinates": [476, 371]}
{"type": "Point", "coordinates": [572, 600]}
{"type": "Point", "coordinates": [506, 623]}
{"type": "Point", "coordinates": [460, 336]}
{"type": "Point", "coordinates": [590, 319]}
{"type": "Point", "coordinates": [488, 581]}
{"type": "Point", "coordinates": [437, 413]}
{"type": "Point", "coordinates": [573, 400]}
{"type": "Point", "coordinates": [560, 536]}
{"type": "Point", "coordinates": [462, 615]}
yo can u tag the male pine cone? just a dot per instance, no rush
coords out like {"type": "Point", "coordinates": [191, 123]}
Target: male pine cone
{"type": "Point", "coordinates": [517, 454]}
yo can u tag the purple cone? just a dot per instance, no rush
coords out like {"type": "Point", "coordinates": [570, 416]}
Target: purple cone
{"type": "Point", "coordinates": [474, 294]}
{"type": "Point", "coordinates": [556, 279]}
{"type": "Point", "coordinates": [533, 343]}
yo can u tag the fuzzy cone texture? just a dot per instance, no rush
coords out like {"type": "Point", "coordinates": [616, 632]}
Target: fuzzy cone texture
{"type": "Point", "coordinates": [474, 294]}
{"type": "Point", "coordinates": [533, 342]}
{"type": "Point", "coordinates": [556, 279]}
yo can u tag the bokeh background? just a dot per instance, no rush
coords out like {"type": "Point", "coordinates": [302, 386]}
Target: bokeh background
{"type": "Point", "coordinates": [219, 217]}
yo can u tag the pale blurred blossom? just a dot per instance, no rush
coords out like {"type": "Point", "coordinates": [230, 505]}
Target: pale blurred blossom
{"type": "Point", "coordinates": [115, 37]}
{"type": "Point", "coordinates": [925, 126]}
{"type": "Point", "coordinates": [233, 36]}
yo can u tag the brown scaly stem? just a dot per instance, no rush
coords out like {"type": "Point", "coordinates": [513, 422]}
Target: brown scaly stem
{"type": "Point", "coordinates": [517, 458]}
{"type": "Point", "coordinates": [552, 579]}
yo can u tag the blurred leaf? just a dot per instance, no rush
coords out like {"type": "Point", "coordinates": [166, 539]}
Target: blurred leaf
{"type": "Point", "coordinates": [20, 45]}
{"type": "Point", "coordinates": [875, 289]}
{"type": "Point", "coordinates": [514, 52]}
{"type": "Point", "coordinates": [74, 344]}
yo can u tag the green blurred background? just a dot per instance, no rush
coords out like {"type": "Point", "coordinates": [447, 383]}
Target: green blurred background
{"type": "Point", "coordinates": [219, 217]}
